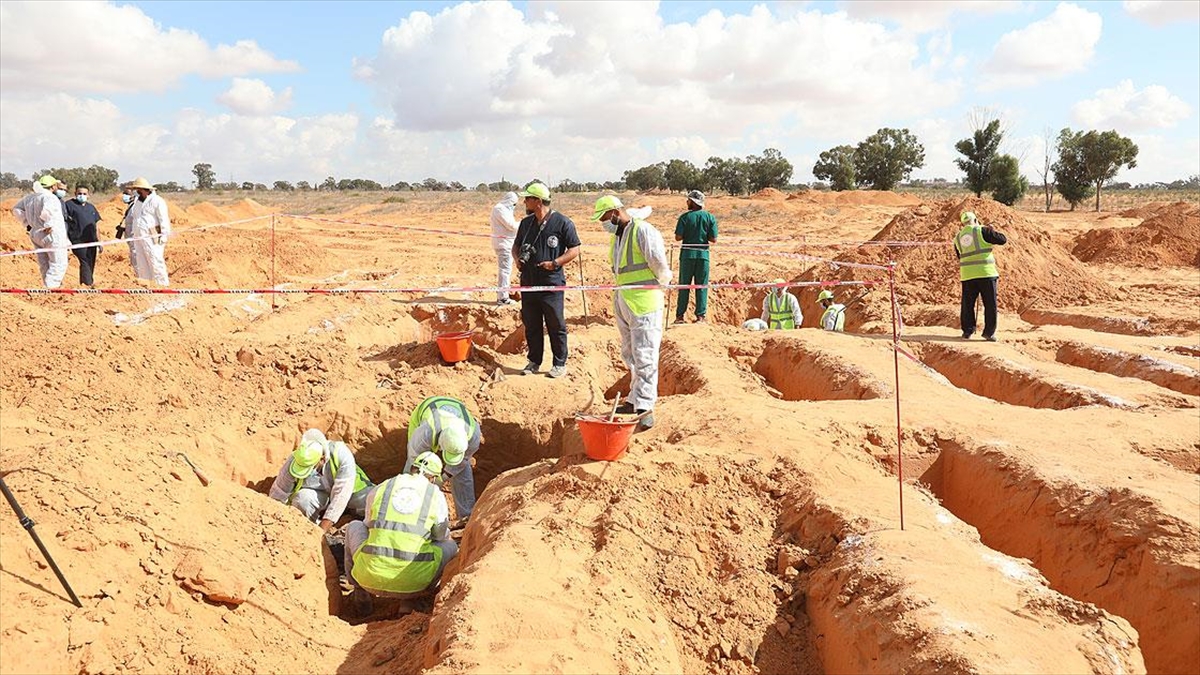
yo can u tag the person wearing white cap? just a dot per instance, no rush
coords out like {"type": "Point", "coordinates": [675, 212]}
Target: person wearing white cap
{"type": "Point", "coordinates": [781, 310]}
{"type": "Point", "coordinates": [638, 258]}
{"type": "Point", "coordinates": [322, 480]}
{"type": "Point", "coordinates": [41, 213]}
{"type": "Point", "coordinates": [148, 218]}
{"type": "Point", "coordinates": [504, 233]}
{"type": "Point", "coordinates": [697, 229]}
{"type": "Point", "coordinates": [442, 425]}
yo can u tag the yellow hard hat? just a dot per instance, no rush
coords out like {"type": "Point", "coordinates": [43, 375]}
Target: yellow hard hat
{"type": "Point", "coordinates": [824, 295]}
{"type": "Point", "coordinates": [429, 464]}
{"type": "Point", "coordinates": [967, 216]}
{"type": "Point", "coordinates": [536, 190]}
{"type": "Point", "coordinates": [305, 459]}
{"type": "Point", "coordinates": [604, 205]}
{"type": "Point", "coordinates": [48, 181]}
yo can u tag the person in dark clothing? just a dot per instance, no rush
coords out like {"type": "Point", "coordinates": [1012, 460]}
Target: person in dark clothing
{"type": "Point", "coordinates": [546, 240]}
{"type": "Point", "coordinates": [697, 229]}
{"type": "Point", "coordinates": [82, 218]}
{"type": "Point", "coordinates": [978, 273]}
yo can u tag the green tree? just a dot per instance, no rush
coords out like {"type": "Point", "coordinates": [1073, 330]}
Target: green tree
{"type": "Point", "coordinates": [887, 157]}
{"type": "Point", "coordinates": [9, 180]}
{"type": "Point", "coordinates": [206, 178]}
{"type": "Point", "coordinates": [169, 186]}
{"type": "Point", "coordinates": [1104, 155]}
{"type": "Point", "coordinates": [836, 165]}
{"type": "Point", "coordinates": [98, 178]}
{"type": "Point", "coordinates": [979, 152]}
{"type": "Point", "coordinates": [681, 175]}
{"type": "Point", "coordinates": [769, 170]}
{"type": "Point", "coordinates": [1069, 175]}
{"type": "Point", "coordinates": [1005, 180]}
{"type": "Point", "coordinates": [731, 175]}
{"type": "Point", "coordinates": [283, 186]}
{"type": "Point", "coordinates": [652, 177]}
{"type": "Point", "coordinates": [329, 184]}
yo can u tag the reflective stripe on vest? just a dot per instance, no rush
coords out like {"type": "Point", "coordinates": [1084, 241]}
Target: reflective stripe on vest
{"type": "Point", "coordinates": [431, 410]}
{"type": "Point", "coordinates": [397, 556]}
{"type": "Point", "coordinates": [779, 309]}
{"type": "Point", "coordinates": [834, 318]}
{"type": "Point", "coordinates": [975, 257]}
{"type": "Point", "coordinates": [631, 269]}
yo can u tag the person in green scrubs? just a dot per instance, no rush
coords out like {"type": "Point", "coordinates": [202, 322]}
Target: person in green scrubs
{"type": "Point", "coordinates": [697, 229]}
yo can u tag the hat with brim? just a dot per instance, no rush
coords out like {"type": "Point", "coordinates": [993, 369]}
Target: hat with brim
{"type": "Point", "coordinates": [305, 459]}
{"type": "Point", "coordinates": [604, 205]}
{"type": "Point", "coordinates": [697, 197]}
{"type": "Point", "coordinates": [141, 183]}
{"type": "Point", "coordinates": [47, 181]}
{"type": "Point", "coordinates": [536, 190]}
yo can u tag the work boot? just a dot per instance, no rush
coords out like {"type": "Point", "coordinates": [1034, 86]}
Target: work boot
{"type": "Point", "coordinates": [647, 421]}
{"type": "Point", "coordinates": [557, 371]}
{"type": "Point", "coordinates": [967, 335]}
{"type": "Point", "coordinates": [626, 408]}
{"type": "Point", "coordinates": [679, 321]}
{"type": "Point", "coordinates": [989, 338]}
{"type": "Point", "coordinates": [530, 368]}
{"type": "Point", "coordinates": [505, 302]}
{"type": "Point", "coordinates": [701, 319]}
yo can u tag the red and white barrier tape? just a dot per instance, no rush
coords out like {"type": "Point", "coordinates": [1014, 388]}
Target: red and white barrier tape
{"type": "Point", "coordinates": [426, 290]}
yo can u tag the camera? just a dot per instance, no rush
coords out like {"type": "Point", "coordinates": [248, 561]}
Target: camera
{"type": "Point", "coordinates": [526, 253]}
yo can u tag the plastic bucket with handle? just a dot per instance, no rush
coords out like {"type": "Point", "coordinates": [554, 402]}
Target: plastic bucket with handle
{"type": "Point", "coordinates": [604, 439]}
{"type": "Point", "coordinates": [455, 347]}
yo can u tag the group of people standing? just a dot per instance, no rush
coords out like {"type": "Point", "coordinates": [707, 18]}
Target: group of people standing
{"type": "Point", "coordinates": [54, 222]}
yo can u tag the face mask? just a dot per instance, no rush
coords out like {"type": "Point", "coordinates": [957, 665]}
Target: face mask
{"type": "Point", "coordinates": [126, 198]}
{"type": "Point", "coordinates": [82, 199]}
{"type": "Point", "coordinates": [609, 226]}
{"type": "Point", "coordinates": [60, 193]}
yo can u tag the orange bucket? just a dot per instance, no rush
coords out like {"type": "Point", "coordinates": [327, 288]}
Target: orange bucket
{"type": "Point", "coordinates": [603, 439]}
{"type": "Point", "coordinates": [455, 347]}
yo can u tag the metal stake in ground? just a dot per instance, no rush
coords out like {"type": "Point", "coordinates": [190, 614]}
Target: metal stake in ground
{"type": "Point", "coordinates": [586, 318]}
{"type": "Point", "coordinates": [896, 371]}
{"type": "Point", "coordinates": [27, 523]}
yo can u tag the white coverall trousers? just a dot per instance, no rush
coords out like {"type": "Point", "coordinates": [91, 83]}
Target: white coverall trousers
{"type": "Point", "coordinates": [312, 502]}
{"type": "Point", "coordinates": [641, 336]}
{"type": "Point", "coordinates": [148, 258]}
{"type": "Point", "coordinates": [503, 249]}
{"type": "Point", "coordinates": [52, 264]}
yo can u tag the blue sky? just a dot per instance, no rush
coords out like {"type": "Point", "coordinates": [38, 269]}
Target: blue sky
{"type": "Point", "coordinates": [470, 92]}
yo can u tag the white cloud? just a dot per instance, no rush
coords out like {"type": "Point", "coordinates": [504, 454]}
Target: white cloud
{"type": "Point", "coordinates": [1163, 159]}
{"type": "Point", "coordinates": [924, 15]}
{"type": "Point", "coordinates": [254, 97]}
{"type": "Point", "coordinates": [616, 70]}
{"type": "Point", "coordinates": [1128, 109]}
{"type": "Point", "coordinates": [1160, 13]}
{"type": "Point", "coordinates": [1058, 45]}
{"type": "Point", "coordinates": [259, 148]}
{"type": "Point", "coordinates": [101, 47]}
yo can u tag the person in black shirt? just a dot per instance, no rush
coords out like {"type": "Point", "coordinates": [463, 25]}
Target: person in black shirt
{"type": "Point", "coordinates": [546, 240]}
{"type": "Point", "coordinates": [81, 218]}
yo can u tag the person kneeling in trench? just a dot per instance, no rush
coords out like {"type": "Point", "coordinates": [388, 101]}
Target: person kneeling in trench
{"type": "Point", "coordinates": [442, 425]}
{"type": "Point", "coordinates": [404, 544]}
{"type": "Point", "coordinates": [322, 480]}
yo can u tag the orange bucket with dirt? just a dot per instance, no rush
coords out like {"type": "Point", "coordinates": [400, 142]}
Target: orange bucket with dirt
{"type": "Point", "coordinates": [603, 439]}
{"type": "Point", "coordinates": [454, 347]}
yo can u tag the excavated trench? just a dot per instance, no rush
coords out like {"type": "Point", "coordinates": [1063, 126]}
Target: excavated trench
{"type": "Point", "coordinates": [1124, 364]}
{"type": "Point", "coordinates": [1112, 548]}
{"type": "Point", "coordinates": [1008, 382]}
{"type": "Point", "coordinates": [801, 372]}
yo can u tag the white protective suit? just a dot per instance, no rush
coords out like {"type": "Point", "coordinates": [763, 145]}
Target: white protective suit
{"type": "Point", "coordinates": [41, 213]}
{"type": "Point", "coordinates": [793, 304]}
{"type": "Point", "coordinates": [323, 494]}
{"type": "Point", "coordinates": [149, 217]}
{"type": "Point", "coordinates": [641, 335]}
{"type": "Point", "coordinates": [504, 233]}
{"type": "Point", "coordinates": [127, 223]}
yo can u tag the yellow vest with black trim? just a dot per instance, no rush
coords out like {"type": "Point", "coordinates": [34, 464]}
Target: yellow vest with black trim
{"type": "Point", "coordinates": [779, 311]}
{"type": "Point", "coordinates": [631, 269]}
{"type": "Point", "coordinates": [975, 257]}
{"type": "Point", "coordinates": [432, 410]}
{"type": "Point", "coordinates": [398, 555]}
{"type": "Point", "coordinates": [834, 318]}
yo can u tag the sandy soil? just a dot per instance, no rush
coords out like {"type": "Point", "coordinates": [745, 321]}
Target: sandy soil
{"type": "Point", "coordinates": [1051, 480]}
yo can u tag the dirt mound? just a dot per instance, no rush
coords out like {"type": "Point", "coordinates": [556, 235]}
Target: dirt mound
{"type": "Point", "coordinates": [1147, 210]}
{"type": "Point", "coordinates": [1169, 236]}
{"type": "Point", "coordinates": [1033, 269]}
{"type": "Point", "coordinates": [770, 194]}
{"type": "Point", "coordinates": [205, 213]}
{"type": "Point", "coordinates": [247, 208]}
{"type": "Point", "coordinates": [858, 198]}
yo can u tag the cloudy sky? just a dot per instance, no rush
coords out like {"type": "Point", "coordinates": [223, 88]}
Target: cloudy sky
{"type": "Point", "coordinates": [476, 91]}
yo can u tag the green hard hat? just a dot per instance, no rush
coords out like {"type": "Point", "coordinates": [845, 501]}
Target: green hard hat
{"type": "Point", "coordinates": [604, 205]}
{"type": "Point", "coordinates": [536, 190]}
{"type": "Point", "coordinates": [305, 459]}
